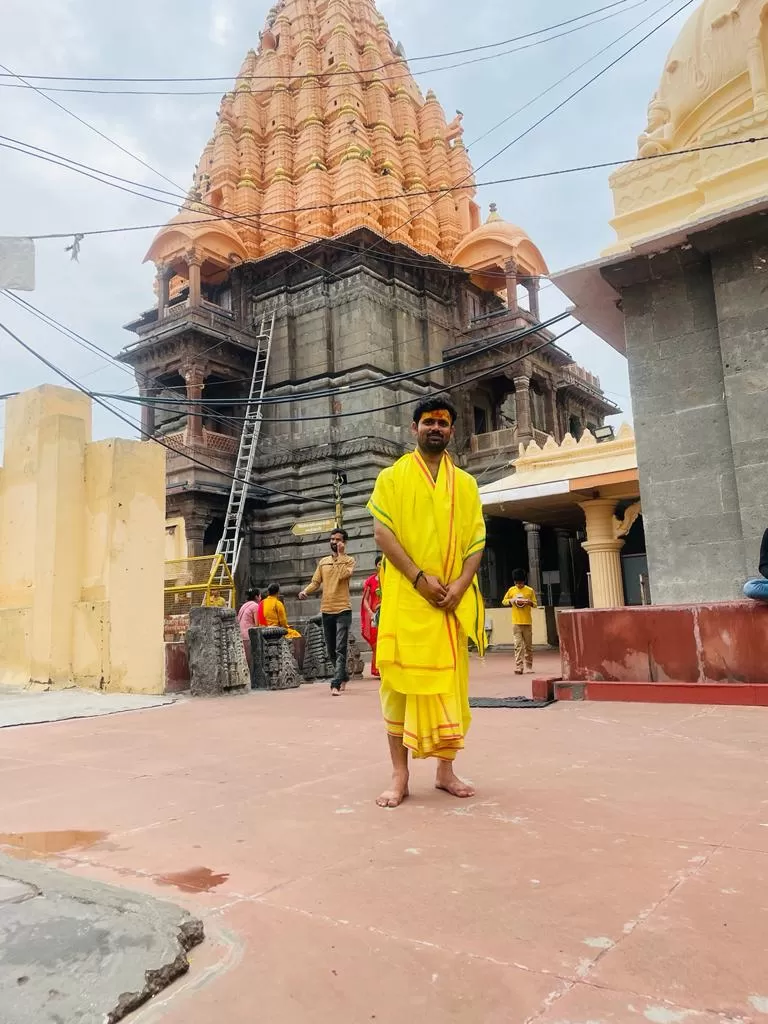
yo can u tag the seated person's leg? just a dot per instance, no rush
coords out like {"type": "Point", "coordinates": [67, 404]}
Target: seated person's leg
{"type": "Point", "coordinates": [756, 589]}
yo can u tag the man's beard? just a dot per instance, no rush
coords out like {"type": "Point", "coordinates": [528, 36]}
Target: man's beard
{"type": "Point", "coordinates": [434, 445]}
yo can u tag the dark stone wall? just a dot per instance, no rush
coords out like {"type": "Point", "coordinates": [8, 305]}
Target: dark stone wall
{"type": "Point", "coordinates": [697, 343]}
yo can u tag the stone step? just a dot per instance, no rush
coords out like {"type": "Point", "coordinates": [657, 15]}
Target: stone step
{"type": "Point", "coordinates": [744, 694]}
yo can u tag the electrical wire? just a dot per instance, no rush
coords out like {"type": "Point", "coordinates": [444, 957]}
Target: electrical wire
{"type": "Point", "coordinates": [544, 117]}
{"type": "Point", "coordinates": [308, 396]}
{"type": "Point", "coordinates": [148, 437]}
{"type": "Point", "coordinates": [405, 72]}
{"type": "Point", "coordinates": [432, 56]}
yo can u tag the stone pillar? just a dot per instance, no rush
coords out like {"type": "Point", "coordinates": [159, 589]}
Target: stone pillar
{"type": "Point", "coordinates": [532, 287]}
{"type": "Point", "coordinates": [685, 447]}
{"type": "Point", "coordinates": [564, 566]}
{"type": "Point", "coordinates": [523, 408]}
{"type": "Point", "coordinates": [164, 275]}
{"type": "Point", "coordinates": [194, 262]}
{"type": "Point", "coordinates": [194, 378]}
{"type": "Point", "coordinates": [510, 269]}
{"type": "Point", "coordinates": [533, 536]}
{"type": "Point", "coordinates": [194, 527]}
{"type": "Point", "coordinates": [603, 549]}
{"type": "Point", "coordinates": [147, 413]}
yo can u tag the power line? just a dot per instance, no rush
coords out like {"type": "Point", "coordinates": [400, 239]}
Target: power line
{"type": "Point", "coordinates": [404, 74]}
{"type": "Point", "coordinates": [516, 179]}
{"type": "Point", "coordinates": [91, 127]}
{"type": "Point", "coordinates": [432, 56]}
{"type": "Point", "coordinates": [137, 426]}
{"type": "Point", "coordinates": [342, 391]}
{"type": "Point", "coordinates": [540, 120]}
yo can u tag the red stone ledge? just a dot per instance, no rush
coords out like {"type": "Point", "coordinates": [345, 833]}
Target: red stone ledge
{"type": "Point", "coordinates": [734, 694]}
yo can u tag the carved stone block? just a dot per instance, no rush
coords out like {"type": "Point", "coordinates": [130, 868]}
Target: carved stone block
{"type": "Point", "coordinates": [217, 662]}
{"type": "Point", "coordinates": [274, 666]}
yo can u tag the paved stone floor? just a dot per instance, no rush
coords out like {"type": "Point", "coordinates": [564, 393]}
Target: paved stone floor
{"type": "Point", "coordinates": [612, 869]}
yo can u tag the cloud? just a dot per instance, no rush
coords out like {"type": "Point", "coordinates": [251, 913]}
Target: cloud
{"type": "Point", "coordinates": [222, 23]}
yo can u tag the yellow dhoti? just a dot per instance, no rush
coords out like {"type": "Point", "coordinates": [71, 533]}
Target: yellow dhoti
{"type": "Point", "coordinates": [422, 651]}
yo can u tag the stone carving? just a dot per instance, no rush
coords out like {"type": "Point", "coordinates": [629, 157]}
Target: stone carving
{"type": "Point", "coordinates": [217, 662]}
{"type": "Point", "coordinates": [316, 664]}
{"type": "Point", "coordinates": [658, 135]}
{"type": "Point", "coordinates": [621, 527]}
{"type": "Point", "coordinates": [355, 663]}
{"type": "Point", "coordinates": [274, 666]}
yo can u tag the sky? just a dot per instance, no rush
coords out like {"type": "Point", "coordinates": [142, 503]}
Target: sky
{"type": "Point", "coordinates": [567, 216]}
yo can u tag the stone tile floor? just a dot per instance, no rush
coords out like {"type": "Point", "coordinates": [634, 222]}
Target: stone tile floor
{"type": "Point", "coordinates": [612, 869]}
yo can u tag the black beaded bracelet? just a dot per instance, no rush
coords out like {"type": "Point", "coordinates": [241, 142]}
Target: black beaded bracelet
{"type": "Point", "coordinates": [418, 577]}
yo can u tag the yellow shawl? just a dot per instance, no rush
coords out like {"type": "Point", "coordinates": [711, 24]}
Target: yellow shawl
{"type": "Point", "coordinates": [440, 524]}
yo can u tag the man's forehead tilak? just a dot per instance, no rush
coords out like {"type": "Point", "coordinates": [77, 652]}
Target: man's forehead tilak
{"type": "Point", "coordinates": [437, 414]}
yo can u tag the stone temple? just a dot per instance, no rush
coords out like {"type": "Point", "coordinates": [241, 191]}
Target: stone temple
{"type": "Point", "coordinates": [337, 194]}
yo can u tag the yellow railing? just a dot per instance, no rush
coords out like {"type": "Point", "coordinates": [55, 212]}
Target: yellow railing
{"type": "Point", "coordinates": [193, 582]}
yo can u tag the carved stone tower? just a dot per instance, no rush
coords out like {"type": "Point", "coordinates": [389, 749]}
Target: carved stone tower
{"type": "Point", "coordinates": [335, 192]}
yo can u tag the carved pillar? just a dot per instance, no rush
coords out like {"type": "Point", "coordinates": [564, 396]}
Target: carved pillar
{"type": "Point", "coordinates": [194, 527]}
{"type": "Point", "coordinates": [510, 269]}
{"type": "Point", "coordinates": [194, 377]}
{"type": "Point", "coordinates": [757, 77]}
{"type": "Point", "coordinates": [564, 566]}
{"type": "Point", "coordinates": [164, 275]}
{"type": "Point", "coordinates": [532, 287]}
{"type": "Point", "coordinates": [533, 536]}
{"type": "Point", "coordinates": [194, 261]}
{"type": "Point", "coordinates": [603, 549]}
{"type": "Point", "coordinates": [523, 409]}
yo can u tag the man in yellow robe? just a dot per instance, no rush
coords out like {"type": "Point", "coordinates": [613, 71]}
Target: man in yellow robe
{"type": "Point", "coordinates": [429, 524]}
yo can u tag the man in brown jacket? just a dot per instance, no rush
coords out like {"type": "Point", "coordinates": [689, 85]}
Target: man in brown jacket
{"type": "Point", "coordinates": [333, 574]}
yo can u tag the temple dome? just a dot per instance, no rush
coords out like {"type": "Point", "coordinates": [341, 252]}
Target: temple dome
{"type": "Point", "coordinates": [195, 229]}
{"type": "Point", "coordinates": [713, 89]}
{"type": "Point", "coordinates": [706, 76]}
{"type": "Point", "coordinates": [324, 114]}
{"type": "Point", "coordinates": [485, 252]}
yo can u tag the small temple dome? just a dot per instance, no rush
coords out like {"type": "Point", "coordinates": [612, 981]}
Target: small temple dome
{"type": "Point", "coordinates": [485, 252]}
{"type": "Point", "coordinates": [713, 89]}
{"type": "Point", "coordinates": [194, 228]}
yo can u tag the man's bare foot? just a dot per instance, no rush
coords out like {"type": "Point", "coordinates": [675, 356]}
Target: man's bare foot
{"type": "Point", "coordinates": [394, 797]}
{"type": "Point", "coordinates": [449, 781]}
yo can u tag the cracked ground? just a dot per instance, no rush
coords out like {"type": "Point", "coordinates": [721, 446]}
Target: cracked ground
{"type": "Point", "coordinates": [611, 870]}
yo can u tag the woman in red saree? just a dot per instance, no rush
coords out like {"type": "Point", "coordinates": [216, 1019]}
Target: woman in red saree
{"type": "Point", "coordinates": [369, 619]}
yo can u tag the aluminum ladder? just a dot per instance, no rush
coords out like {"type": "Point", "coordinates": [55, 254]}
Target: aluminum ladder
{"type": "Point", "coordinates": [231, 540]}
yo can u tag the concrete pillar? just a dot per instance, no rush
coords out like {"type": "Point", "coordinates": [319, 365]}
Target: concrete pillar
{"type": "Point", "coordinates": [510, 269]}
{"type": "Point", "coordinates": [603, 549]}
{"type": "Point", "coordinates": [564, 567]}
{"type": "Point", "coordinates": [523, 408]}
{"type": "Point", "coordinates": [533, 537]}
{"type": "Point", "coordinates": [195, 381]}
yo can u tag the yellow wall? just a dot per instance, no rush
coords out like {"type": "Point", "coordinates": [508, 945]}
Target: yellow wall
{"type": "Point", "coordinates": [175, 539]}
{"type": "Point", "coordinates": [81, 550]}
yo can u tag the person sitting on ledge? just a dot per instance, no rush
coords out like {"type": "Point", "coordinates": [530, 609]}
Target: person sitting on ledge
{"type": "Point", "coordinates": [757, 588]}
{"type": "Point", "coordinates": [273, 612]}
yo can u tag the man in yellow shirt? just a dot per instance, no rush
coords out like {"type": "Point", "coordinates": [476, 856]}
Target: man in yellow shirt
{"type": "Point", "coordinates": [521, 598]}
{"type": "Point", "coordinates": [333, 574]}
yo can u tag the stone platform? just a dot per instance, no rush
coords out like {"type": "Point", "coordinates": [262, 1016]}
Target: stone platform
{"type": "Point", "coordinates": [684, 654]}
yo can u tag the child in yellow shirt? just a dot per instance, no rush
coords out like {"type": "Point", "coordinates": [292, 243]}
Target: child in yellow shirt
{"type": "Point", "coordinates": [522, 599]}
